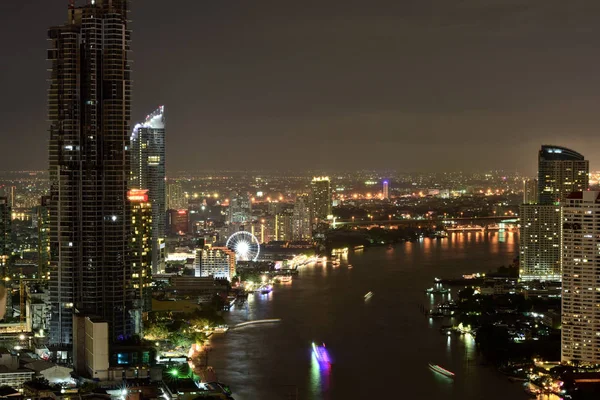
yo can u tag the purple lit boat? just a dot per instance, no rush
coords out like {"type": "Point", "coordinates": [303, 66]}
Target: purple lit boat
{"type": "Point", "coordinates": [321, 354]}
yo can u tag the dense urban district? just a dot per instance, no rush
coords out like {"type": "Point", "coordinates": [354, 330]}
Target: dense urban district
{"type": "Point", "coordinates": [116, 275]}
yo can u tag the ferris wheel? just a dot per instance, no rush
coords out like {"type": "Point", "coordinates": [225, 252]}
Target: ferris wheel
{"type": "Point", "coordinates": [245, 245]}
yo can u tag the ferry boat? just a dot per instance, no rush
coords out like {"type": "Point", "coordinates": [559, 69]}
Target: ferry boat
{"type": "Point", "coordinates": [437, 290]}
{"type": "Point", "coordinates": [266, 290]}
{"type": "Point", "coordinates": [368, 295]}
{"type": "Point", "coordinates": [441, 371]}
{"type": "Point", "coordinates": [321, 353]}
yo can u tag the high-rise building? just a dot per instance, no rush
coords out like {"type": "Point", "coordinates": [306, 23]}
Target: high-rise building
{"type": "Point", "coordinates": [580, 284]}
{"type": "Point", "coordinates": [148, 172]}
{"type": "Point", "coordinates": [530, 191]}
{"type": "Point", "coordinates": [5, 236]}
{"type": "Point", "coordinates": [89, 102]}
{"type": "Point", "coordinates": [284, 223]}
{"type": "Point", "coordinates": [240, 208]}
{"type": "Point", "coordinates": [386, 189]}
{"type": "Point", "coordinates": [176, 197]}
{"type": "Point", "coordinates": [320, 199]}
{"type": "Point", "coordinates": [301, 225]}
{"type": "Point", "coordinates": [540, 242]}
{"type": "Point", "coordinates": [43, 231]}
{"type": "Point", "coordinates": [178, 222]}
{"type": "Point", "coordinates": [560, 172]}
{"type": "Point", "coordinates": [142, 214]}
{"type": "Point", "coordinates": [218, 262]}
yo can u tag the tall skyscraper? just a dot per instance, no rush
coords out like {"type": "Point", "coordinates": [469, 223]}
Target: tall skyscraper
{"type": "Point", "coordinates": [320, 199]}
{"type": "Point", "coordinates": [148, 172]}
{"type": "Point", "coordinates": [530, 191]}
{"type": "Point", "coordinates": [580, 285]}
{"type": "Point", "coordinates": [560, 172]}
{"type": "Point", "coordinates": [386, 189]}
{"type": "Point", "coordinates": [89, 103]}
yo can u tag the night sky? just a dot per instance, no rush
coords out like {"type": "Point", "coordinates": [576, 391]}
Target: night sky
{"type": "Point", "coordinates": [412, 85]}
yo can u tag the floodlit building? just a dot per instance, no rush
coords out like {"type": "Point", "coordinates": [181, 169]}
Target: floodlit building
{"type": "Point", "coordinates": [580, 283]}
{"type": "Point", "coordinates": [320, 199]}
{"type": "Point", "coordinates": [89, 103]}
{"type": "Point", "coordinates": [148, 172]}
{"type": "Point", "coordinates": [218, 262]}
{"type": "Point", "coordinates": [386, 189]}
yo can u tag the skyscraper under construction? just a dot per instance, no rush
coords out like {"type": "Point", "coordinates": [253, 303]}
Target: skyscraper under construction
{"type": "Point", "coordinates": [89, 103]}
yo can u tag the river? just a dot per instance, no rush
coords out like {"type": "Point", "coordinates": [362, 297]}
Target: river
{"type": "Point", "coordinates": [380, 347]}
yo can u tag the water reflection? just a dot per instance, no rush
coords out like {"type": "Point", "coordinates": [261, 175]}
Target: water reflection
{"type": "Point", "coordinates": [320, 376]}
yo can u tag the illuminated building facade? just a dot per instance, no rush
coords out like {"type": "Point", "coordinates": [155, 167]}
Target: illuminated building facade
{"type": "Point", "coordinates": [176, 197]}
{"type": "Point", "coordinates": [320, 199]}
{"type": "Point", "coordinates": [142, 214]}
{"type": "Point", "coordinates": [386, 190]}
{"type": "Point", "coordinates": [540, 242]}
{"type": "Point", "coordinates": [580, 285]}
{"type": "Point", "coordinates": [148, 172]}
{"type": "Point", "coordinates": [301, 225]}
{"type": "Point", "coordinates": [284, 224]}
{"type": "Point", "coordinates": [89, 102]}
{"type": "Point", "coordinates": [42, 224]}
{"type": "Point", "coordinates": [560, 172]}
{"type": "Point", "coordinates": [218, 262]}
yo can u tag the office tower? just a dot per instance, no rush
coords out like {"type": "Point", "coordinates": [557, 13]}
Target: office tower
{"type": "Point", "coordinates": [89, 103]}
{"type": "Point", "coordinates": [10, 193]}
{"type": "Point", "coordinates": [530, 190]}
{"type": "Point", "coordinates": [218, 262]}
{"type": "Point", "coordinates": [5, 236]}
{"type": "Point", "coordinates": [176, 197]}
{"type": "Point", "coordinates": [142, 214]}
{"type": "Point", "coordinates": [386, 190]}
{"type": "Point", "coordinates": [148, 172]}
{"type": "Point", "coordinates": [240, 208]}
{"type": "Point", "coordinates": [540, 242]}
{"type": "Point", "coordinates": [580, 285]}
{"type": "Point", "coordinates": [560, 172]}
{"type": "Point", "coordinates": [301, 226]}
{"type": "Point", "coordinates": [320, 199]}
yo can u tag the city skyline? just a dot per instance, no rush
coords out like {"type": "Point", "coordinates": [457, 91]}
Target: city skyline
{"type": "Point", "coordinates": [490, 81]}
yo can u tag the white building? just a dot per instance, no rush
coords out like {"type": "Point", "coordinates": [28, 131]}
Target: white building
{"type": "Point", "coordinates": [540, 242]}
{"type": "Point", "coordinates": [580, 282]}
{"type": "Point", "coordinates": [218, 262]}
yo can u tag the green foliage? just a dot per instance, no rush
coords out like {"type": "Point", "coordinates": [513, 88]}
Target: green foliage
{"type": "Point", "coordinates": [156, 331]}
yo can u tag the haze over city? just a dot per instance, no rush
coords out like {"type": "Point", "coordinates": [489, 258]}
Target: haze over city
{"type": "Point", "coordinates": [406, 85]}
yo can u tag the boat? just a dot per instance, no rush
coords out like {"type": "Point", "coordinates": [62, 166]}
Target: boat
{"type": "Point", "coordinates": [441, 371]}
{"type": "Point", "coordinates": [266, 290]}
{"type": "Point", "coordinates": [368, 295]}
{"type": "Point", "coordinates": [437, 290]}
{"type": "Point", "coordinates": [349, 265]}
{"type": "Point", "coordinates": [321, 353]}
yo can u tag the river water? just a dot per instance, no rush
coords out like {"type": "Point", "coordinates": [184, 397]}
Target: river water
{"type": "Point", "coordinates": [380, 347]}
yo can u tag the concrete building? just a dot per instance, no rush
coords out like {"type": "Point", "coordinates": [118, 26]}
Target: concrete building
{"type": "Point", "coordinates": [240, 208]}
{"type": "Point", "coordinates": [142, 212]}
{"type": "Point", "coordinates": [89, 107]}
{"type": "Point", "coordinates": [5, 235]}
{"type": "Point", "coordinates": [539, 242]}
{"type": "Point", "coordinates": [301, 224]}
{"type": "Point", "coordinates": [386, 190]}
{"type": "Point", "coordinates": [320, 199]}
{"type": "Point", "coordinates": [218, 262]}
{"type": "Point", "coordinates": [580, 283]}
{"type": "Point", "coordinates": [148, 173]}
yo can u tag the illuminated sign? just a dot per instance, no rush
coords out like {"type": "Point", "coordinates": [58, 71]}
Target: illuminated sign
{"type": "Point", "coordinates": [138, 195]}
{"type": "Point", "coordinates": [181, 212]}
